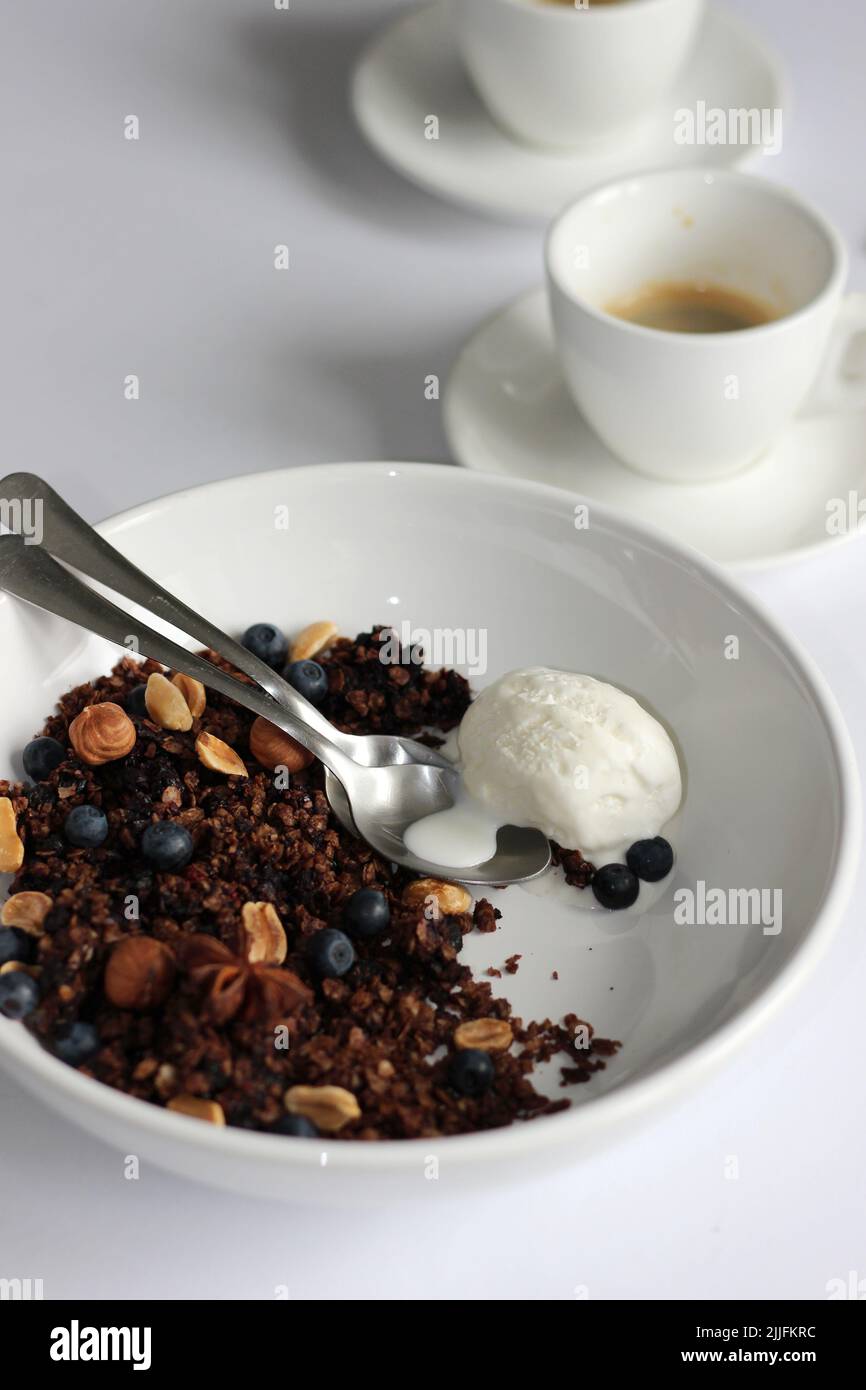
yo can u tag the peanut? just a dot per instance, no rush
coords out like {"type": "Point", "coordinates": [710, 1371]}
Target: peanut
{"type": "Point", "coordinates": [314, 639]}
{"type": "Point", "coordinates": [166, 704]}
{"type": "Point", "coordinates": [486, 1034]}
{"type": "Point", "coordinates": [450, 898]}
{"type": "Point", "coordinates": [329, 1107]}
{"type": "Point", "coordinates": [26, 910]}
{"type": "Point", "coordinates": [265, 935]}
{"type": "Point", "coordinates": [198, 1109]}
{"type": "Point", "coordinates": [11, 844]}
{"type": "Point", "coordinates": [217, 756]}
{"type": "Point", "coordinates": [193, 692]}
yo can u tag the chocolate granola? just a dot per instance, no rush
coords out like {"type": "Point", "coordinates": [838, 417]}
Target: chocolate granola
{"type": "Point", "coordinates": [208, 1022]}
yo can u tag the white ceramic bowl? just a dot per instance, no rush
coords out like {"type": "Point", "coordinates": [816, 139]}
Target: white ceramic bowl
{"type": "Point", "coordinates": [772, 798]}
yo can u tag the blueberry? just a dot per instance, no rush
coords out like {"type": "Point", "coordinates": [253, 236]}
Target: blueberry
{"type": "Point", "coordinates": [298, 1125]}
{"type": "Point", "coordinates": [16, 944]}
{"type": "Point", "coordinates": [471, 1071]}
{"type": "Point", "coordinates": [309, 679]}
{"type": "Point", "coordinates": [367, 913]}
{"type": "Point", "coordinates": [41, 757]}
{"type": "Point", "coordinates": [135, 704]}
{"type": "Point", "coordinates": [19, 994]}
{"type": "Point", "coordinates": [267, 643]}
{"type": "Point", "coordinates": [77, 1043]}
{"type": "Point", "coordinates": [651, 860]}
{"type": "Point", "coordinates": [167, 845]}
{"type": "Point", "coordinates": [85, 826]}
{"type": "Point", "coordinates": [615, 886]}
{"type": "Point", "coordinates": [331, 953]}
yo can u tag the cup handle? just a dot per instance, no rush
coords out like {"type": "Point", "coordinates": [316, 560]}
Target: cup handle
{"type": "Point", "coordinates": [838, 388]}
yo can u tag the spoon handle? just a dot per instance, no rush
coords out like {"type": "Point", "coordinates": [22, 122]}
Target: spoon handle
{"type": "Point", "coordinates": [68, 537]}
{"type": "Point", "coordinates": [30, 573]}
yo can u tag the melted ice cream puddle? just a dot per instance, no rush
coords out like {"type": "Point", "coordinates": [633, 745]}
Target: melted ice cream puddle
{"type": "Point", "coordinates": [462, 836]}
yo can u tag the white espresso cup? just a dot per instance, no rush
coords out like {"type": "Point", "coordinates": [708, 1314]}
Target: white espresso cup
{"type": "Point", "coordinates": [690, 407]}
{"type": "Point", "coordinates": [562, 75]}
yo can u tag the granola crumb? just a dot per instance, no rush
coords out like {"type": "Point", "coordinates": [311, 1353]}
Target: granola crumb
{"type": "Point", "coordinates": [578, 871]}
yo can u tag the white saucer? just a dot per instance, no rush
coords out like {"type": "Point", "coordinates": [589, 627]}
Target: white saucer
{"type": "Point", "coordinates": [411, 71]}
{"type": "Point", "coordinates": [507, 411]}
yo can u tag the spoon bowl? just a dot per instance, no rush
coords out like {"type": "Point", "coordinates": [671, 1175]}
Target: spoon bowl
{"type": "Point", "coordinates": [385, 801]}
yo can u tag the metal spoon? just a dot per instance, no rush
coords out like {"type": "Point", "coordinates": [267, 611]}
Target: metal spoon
{"type": "Point", "coordinates": [383, 801]}
{"type": "Point", "coordinates": [68, 537]}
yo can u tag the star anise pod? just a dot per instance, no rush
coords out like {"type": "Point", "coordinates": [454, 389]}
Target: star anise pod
{"type": "Point", "coordinates": [233, 988]}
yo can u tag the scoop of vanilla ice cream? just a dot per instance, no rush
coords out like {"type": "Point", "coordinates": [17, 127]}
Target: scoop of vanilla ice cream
{"type": "Point", "coordinates": [573, 757]}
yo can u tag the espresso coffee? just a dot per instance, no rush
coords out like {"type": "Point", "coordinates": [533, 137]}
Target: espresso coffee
{"type": "Point", "coordinates": [687, 307]}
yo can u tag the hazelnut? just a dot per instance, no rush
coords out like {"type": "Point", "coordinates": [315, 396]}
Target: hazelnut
{"type": "Point", "coordinates": [102, 733]}
{"type": "Point", "coordinates": [166, 704]}
{"type": "Point", "coordinates": [272, 748]}
{"type": "Point", "coordinates": [449, 898]}
{"type": "Point", "coordinates": [193, 692]}
{"type": "Point", "coordinates": [329, 1107]}
{"type": "Point", "coordinates": [265, 935]}
{"type": "Point", "coordinates": [26, 910]}
{"type": "Point", "coordinates": [219, 757]}
{"type": "Point", "coordinates": [11, 844]}
{"type": "Point", "coordinates": [139, 973]}
{"type": "Point", "coordinates": [314, 639]}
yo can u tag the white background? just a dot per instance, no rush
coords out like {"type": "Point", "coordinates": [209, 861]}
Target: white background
{"type": "Point", "coordinates": [156, 258]}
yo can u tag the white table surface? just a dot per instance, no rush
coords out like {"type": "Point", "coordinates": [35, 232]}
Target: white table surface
{"type": "Point", "coordinates": [156, 258]}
